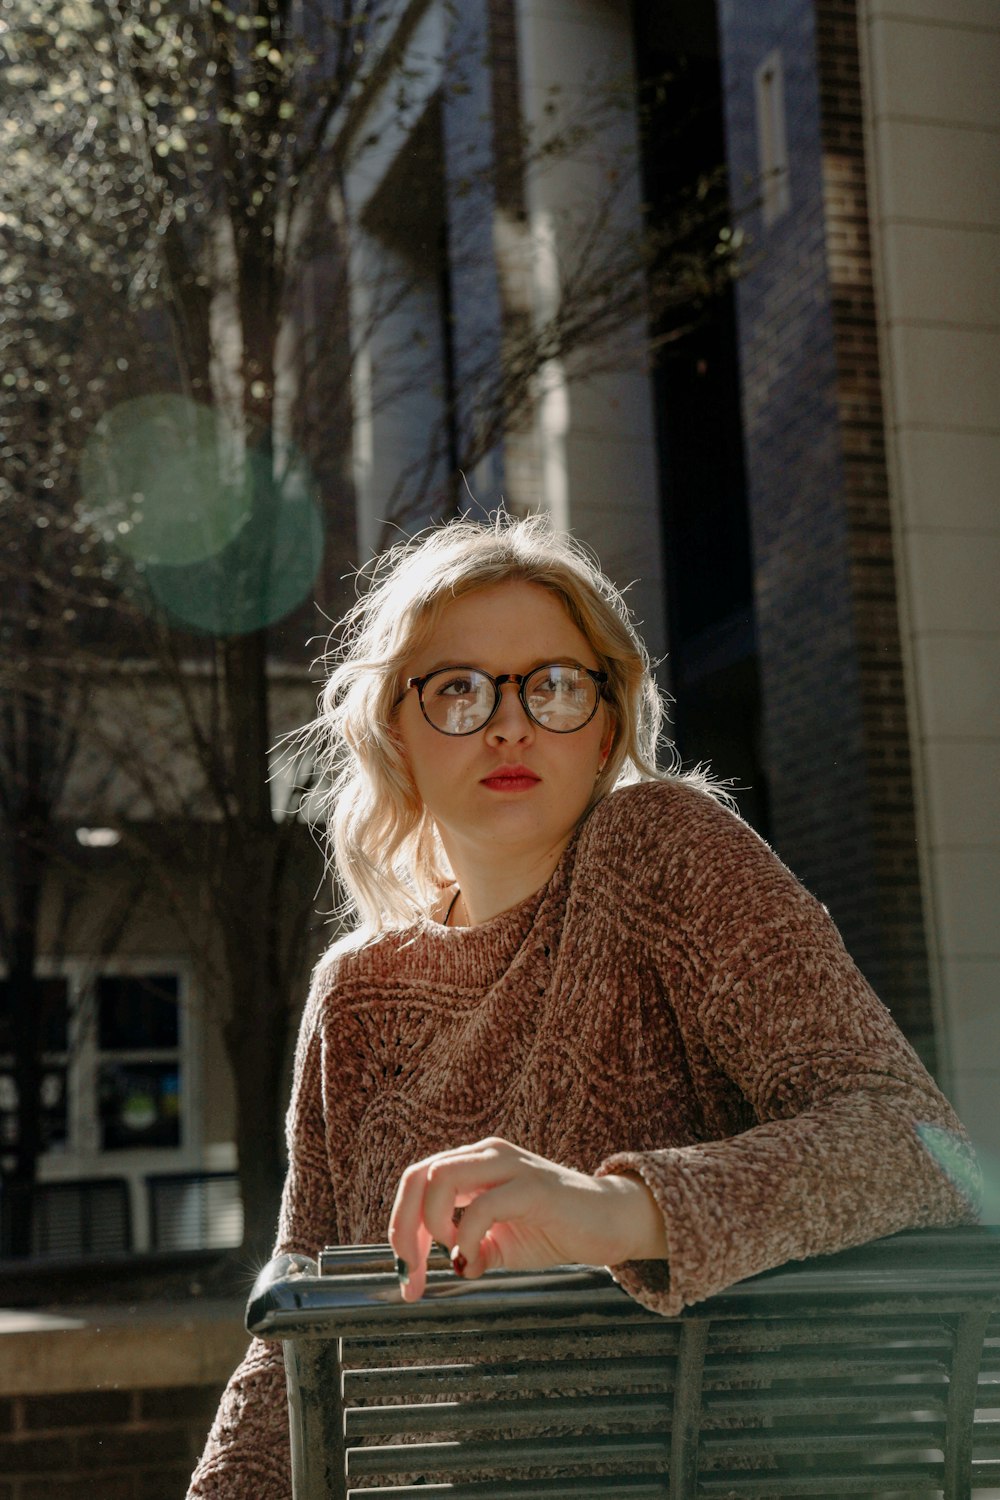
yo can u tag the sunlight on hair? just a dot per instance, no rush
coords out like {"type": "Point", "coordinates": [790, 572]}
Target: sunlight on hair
{"type": "Point", "coordinates": [380, 839]}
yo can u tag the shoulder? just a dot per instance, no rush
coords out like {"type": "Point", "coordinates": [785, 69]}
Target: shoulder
{"type": "Point", "coordinates": [363, 955]}
{"type": "Point", "coordinates": [691, 855]}
{"type": "Point", "coordinates": [354, 960]}
{"type": "Point", "coordinates": [663, 819]}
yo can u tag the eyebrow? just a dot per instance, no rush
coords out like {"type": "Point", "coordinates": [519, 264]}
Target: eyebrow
{"type": "Point", "coordinates": [542, 661]}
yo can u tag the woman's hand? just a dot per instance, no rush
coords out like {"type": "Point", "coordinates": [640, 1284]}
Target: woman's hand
{"type": "Point", "coordinates": [518, 1211]}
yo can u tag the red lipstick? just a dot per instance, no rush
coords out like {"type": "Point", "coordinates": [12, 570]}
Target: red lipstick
{"type": "Point", "coordinates": [511, 779]}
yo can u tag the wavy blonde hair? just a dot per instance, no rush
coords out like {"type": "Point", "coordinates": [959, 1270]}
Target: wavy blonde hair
{"type": "Point", "coordinates": [381, 839]}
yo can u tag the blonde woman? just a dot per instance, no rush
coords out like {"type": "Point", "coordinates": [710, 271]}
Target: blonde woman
{"type": "Point", "coordinates": [581, 1001]}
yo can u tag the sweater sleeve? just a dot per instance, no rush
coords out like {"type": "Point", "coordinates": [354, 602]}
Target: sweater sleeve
{"type": "Point", "coordinates": [247, 1455]}
{"type": "Point", "coordinates": [852, 1139]}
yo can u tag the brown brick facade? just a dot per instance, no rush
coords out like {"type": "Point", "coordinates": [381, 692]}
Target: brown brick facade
{"type": "Point", "coordinates": [866, 494]}
{"type": "Point", "coordinates": [111, 1402]}
{"type": "Point", "coordinates": [836, 741]}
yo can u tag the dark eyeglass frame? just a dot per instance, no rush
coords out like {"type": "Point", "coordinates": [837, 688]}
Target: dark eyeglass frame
{"type": "Point", "coordinates": [599, 678]}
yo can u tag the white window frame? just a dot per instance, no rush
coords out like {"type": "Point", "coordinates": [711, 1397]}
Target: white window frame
{"type": "Point", "coordinates": [772, 138]}
{"type": "Point", "coordinates": [82, 1156]}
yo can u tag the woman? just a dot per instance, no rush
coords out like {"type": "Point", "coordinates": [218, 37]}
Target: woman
{"type": "Point", "coordinates": [583, 1003]}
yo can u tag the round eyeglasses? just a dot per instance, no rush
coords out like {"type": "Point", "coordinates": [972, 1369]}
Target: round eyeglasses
{"type": "Point", "coordinates": [559, 697]}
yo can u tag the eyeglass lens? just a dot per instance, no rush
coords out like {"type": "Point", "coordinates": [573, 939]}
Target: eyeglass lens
{"type": "Point", "coordinates": [461, 700]}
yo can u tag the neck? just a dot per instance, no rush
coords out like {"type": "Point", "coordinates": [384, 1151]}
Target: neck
{"type": "Point", "coordinates": [485, 892]}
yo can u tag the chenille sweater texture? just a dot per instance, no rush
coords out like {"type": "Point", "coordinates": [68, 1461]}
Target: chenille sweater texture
{"type": "Point", "coordinates": [671, 1003]}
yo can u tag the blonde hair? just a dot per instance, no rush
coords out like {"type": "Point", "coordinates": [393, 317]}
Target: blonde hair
{"type": "Point", "coordinates": [381, 839]}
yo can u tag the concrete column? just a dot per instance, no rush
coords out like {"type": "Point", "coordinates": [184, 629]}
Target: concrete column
{"type": "Point", "coordinates": [594, 424]}
{"type": "Point", "coordinates": [932, 84]}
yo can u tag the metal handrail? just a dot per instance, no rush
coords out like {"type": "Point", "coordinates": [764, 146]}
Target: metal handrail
{"type": "Point", "coordinates": [863, 1373]}
{"type": "Point", "coordinates": [358, 1288]}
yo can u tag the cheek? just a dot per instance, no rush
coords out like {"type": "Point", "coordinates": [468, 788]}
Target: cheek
{"type": "Point", "coordinates": [404, 731]}
{"type": "Point", "coordinates": [400, 740]}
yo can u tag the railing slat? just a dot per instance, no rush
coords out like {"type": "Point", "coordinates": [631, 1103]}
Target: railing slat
{"type": "Point", "coordinates": [561, 1453]}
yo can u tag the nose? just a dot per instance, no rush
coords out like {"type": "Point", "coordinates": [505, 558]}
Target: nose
{"type": "Point", "coordinates": [510, 723]}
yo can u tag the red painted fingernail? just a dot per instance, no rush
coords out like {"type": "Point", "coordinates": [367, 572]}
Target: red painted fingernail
{"type": "Point", "coordinates": [458, 1262]}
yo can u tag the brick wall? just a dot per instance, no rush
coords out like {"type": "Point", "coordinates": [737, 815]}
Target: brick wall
{"type": "Point", "coordinates": [112, 1444]}
{"type": "Point", "coordinates": [836, 746]}
{"type": "Point", "coordinates": [885, 726]}
{"type": "Point", "coordinates": [113, 1403]}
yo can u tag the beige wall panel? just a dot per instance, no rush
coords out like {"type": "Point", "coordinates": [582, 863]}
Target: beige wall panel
{"type": "Point", "coordinates": [594, 434]}
{"type": "Point", "coordinates": [939, 173]}
{"type": "Point", "coordinates": [955, 578]}
{"type": "Point", "coordinates": [973, 986]}
{"type": "Point", "coordinates": [943, 275]}
{"type": "Point", "coordinates": [952, 13]}
{"type": "Point", "coordinates": [947, 377]}
{"type": "Point", "coordinates": [932, 80]}
{"type": "Point", "coordinates": [936, 73]}
{"type": "Point", "coordinates": [959, 688]}
{"type": "Point", "coordinates": [977, 1038]}
{"type": "Point", "coordinates": [975, 1097]}
{"type": "Point", "coordinates": [969, 879]}
{"type": "Point", "coordinates": [961, 786]}
{"type": "Point", "coordinates": [951, 479]}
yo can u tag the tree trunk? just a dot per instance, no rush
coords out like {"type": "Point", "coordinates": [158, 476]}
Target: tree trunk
{"type": "Point", "coordinates": [256, 1056]}
{"type": "Point", "coordinates": [250, 910]}
{"type": "Point", "coordinates": [26, 1025]}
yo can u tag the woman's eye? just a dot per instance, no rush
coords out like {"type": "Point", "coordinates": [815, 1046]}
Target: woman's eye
{"type": "Point", "coordinates": [456, 687]}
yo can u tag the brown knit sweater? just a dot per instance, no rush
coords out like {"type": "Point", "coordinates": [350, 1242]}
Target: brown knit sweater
{"type": "Point", "coordinates": [672, 1002]}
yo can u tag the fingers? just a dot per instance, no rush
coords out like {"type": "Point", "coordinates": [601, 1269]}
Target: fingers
{"type": "Point", "coordinates": [518, 1210]}
{"type": "Point", "coordinates": [429, 1193]}
{"type": "Point", "coordinates": [408, 1235]}
{"type": "Point", "coordinates": [478, 1248]}
{"type": "Point", "coordinates": [456, 1180]}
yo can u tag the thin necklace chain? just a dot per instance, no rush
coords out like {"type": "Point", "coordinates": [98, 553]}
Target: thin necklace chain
{"type": "Point", "coordinates": [451, 908]}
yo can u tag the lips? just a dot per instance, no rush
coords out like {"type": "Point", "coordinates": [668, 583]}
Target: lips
{"type": "Point", "coordinates": [511, 779]}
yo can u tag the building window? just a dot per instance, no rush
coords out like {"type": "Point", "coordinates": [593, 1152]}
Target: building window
{"type": "Point", "coordinates": [772, 138]}
{"type": "Point", "coordinates": [122, 1164]}
{"type": "Point", "coordinates": [116, 1072]}
{"type": "Point", "coordinates": [52, 994]}
{"type": "Point", "coordinates": [139, 1072]}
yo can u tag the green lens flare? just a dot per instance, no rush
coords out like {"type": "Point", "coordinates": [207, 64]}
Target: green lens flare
{"type": "Point", "coordinates": [214, 538]}
{"type": "Point", "coordinates": [261, 576]}
{"type": "Point", "coordinates": [958, 1163]}
{"type": "Point", "coordinates": [163, 481]}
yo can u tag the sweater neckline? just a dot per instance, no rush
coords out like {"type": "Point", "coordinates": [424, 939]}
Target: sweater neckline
{"type": "Point", "coordinates": [508, 928]}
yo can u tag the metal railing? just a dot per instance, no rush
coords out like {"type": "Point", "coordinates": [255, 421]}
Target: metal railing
{"type": "Point", "coordinates": [875, 1372]}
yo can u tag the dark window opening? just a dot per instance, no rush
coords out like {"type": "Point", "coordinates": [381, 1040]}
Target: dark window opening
{"type": "Point", "coordinates": [137, 1011]}
{"type": "Point", "coordinates": [52, 995]}
{"type": "Point", "coordinates": [710, 622]}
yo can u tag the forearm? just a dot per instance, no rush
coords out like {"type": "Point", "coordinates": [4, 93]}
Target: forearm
{"type": "Point", "coordinates": [851, 1170]}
